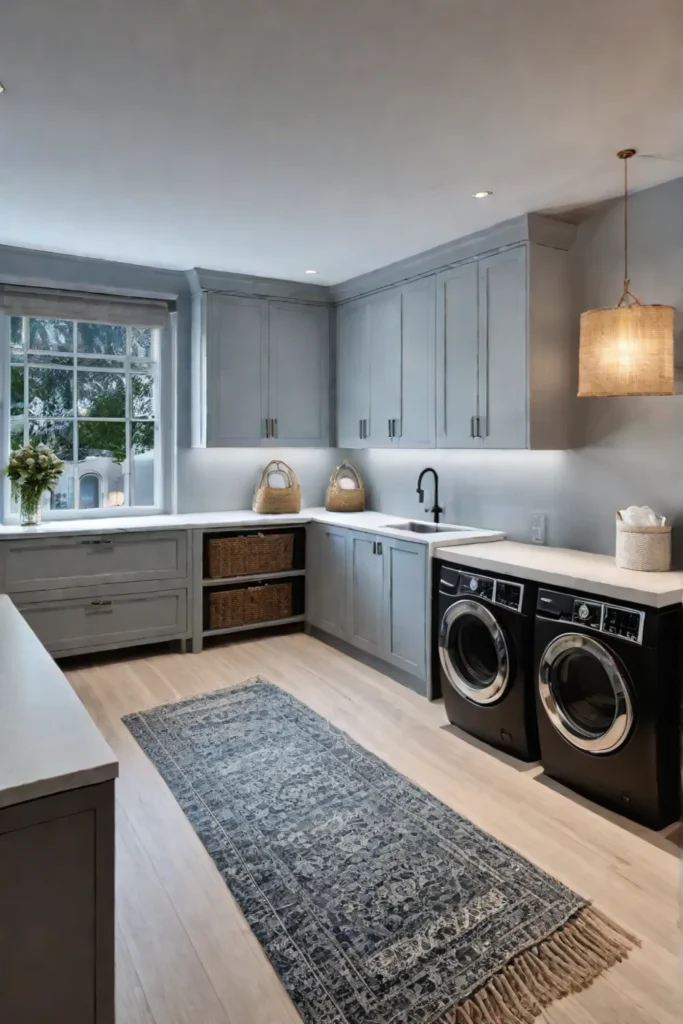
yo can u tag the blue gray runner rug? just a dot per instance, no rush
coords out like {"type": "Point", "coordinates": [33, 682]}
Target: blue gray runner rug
{"type": "Point", "coordinates": [375, 903]}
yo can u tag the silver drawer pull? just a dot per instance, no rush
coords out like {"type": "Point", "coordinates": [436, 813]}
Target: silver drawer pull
{"type": "Point", "coordinates": [99, 606]}
{"type": "Point", "coordinates": [107, 545]}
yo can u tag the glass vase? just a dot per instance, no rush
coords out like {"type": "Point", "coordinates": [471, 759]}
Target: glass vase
{"type": "Point", "coordinates": [31, 505]}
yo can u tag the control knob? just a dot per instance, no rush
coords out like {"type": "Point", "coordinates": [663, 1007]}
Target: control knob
{"type": "Point", "coordinates": [584, 612]}
{"type": "Point", "coordinates": [474, 584]}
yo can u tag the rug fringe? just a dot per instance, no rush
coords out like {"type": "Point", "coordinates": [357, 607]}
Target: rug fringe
{"type": "Point", "coordinates": [567, 961]}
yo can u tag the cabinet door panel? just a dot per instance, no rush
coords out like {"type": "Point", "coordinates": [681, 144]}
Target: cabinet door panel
{"type": "Point", "coordinates": [353, 374]}
{"type": "Point", "coordinates": [417, 427]}
{"type": "Point", "coordinates": [382, 336]}
{"type": "Point", "coordinates": [457, 356]}
{"type": "Point", "coordinates": [299, 338]}
{"type": "Point", "coordinates": [236, 371]}
{"type": "Point", "coordinates": [405, 606]}
{"type": "Point", "coordinates": [365, 593]}
{"type": "Point", "coordinates": [503, 352]}
{"type": "Point", "coordinates": [327, 600]}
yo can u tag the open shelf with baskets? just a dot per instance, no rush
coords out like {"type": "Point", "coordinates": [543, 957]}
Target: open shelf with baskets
{"type": "Point", "coordinates": [252, 579]}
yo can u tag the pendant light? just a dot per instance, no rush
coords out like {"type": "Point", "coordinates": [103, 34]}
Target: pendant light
{"type": "Point", "coordinates": [627, 349]}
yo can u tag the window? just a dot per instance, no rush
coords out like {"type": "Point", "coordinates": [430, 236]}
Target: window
{"type": "Point", "coordinates": [91, 391]}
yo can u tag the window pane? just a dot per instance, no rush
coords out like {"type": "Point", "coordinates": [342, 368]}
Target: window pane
{"type": "Point", "coordinates": [103, 364]}
{"type": "Point", "coordinates": [51, 335]}
{"type": "Point", "coordinates": [106, 439]}
{"type": "Point", "coordinates": [141, 343]}
{"type": "Point", "coordinates": [17, 391]}
{"type": "Point", "coordinates": [16, 436]}
{"type": "Point", "coordinates": [101, 394]}
{"type": "Point", "coordinates": [102, 339]}
{"type": "Point", "coordinates": [59, 437]}
{"type": "Point", "coordinates": [15, 333]}
{"type": "Point", "coordinates": [48, 359]}
{"type": "Point", "coordinates": [143, 396]}
{"type": "Point", "coordinates": [101, 453]}
{"type": "Point", "coordinates": [142, 464]}
{"type": "Point", "coordinates": [50, 392]}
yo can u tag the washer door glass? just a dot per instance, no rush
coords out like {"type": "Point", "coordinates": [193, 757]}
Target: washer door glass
{"type": "Point", "coordinates": [473, 652]}
{"type": "Point", "coordinates": [585, 693]}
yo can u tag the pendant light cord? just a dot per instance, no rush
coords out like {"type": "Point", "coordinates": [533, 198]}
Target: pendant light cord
{"type": "Point", "coordinates": [625, 155]}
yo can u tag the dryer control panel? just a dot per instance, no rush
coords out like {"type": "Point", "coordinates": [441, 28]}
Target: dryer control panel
{"type": "Point", "coordinates": [502, 592]}
{"type": "Point", "coordinates": [626, 623]}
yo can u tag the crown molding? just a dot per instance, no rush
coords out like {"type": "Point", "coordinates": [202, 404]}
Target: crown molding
{"type": "Point", "coordinates": [530, 227]}
{"type": "Point", "coordinates": [202, 280]}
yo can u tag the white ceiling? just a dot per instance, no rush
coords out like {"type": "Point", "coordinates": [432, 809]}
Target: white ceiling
{"type": "Point", "coordinates": [270, 136]}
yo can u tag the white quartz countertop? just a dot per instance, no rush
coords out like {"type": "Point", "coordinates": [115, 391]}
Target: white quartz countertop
{"type": "Point", "coordinates": [369, 522]}
{"type": "Point", "coordinates": [572, 570]}
{"type": "Point", "coordinates": [48, 742]}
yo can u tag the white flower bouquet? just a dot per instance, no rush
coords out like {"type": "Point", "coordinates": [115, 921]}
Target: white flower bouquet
{"type": "Point", "coordinates": [32, 470]}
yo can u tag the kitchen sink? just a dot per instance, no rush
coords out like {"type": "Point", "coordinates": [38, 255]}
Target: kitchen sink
{"type": "Point", "coordinates": [416, 526]}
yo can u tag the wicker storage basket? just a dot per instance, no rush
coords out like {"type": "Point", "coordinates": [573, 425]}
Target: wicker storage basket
{"type": "Point", "coordinates": [345, 499]}
{"type": "Point", "coordinates": [246, 605]}
{"type": "Point", "coordinates": [249, 556]}
{"type": "Point", "coordinates": [273, 500]}
{"type": "Point", "coordinates": [644, 548]}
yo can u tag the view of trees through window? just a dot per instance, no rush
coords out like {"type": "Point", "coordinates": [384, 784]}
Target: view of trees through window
{"type": "Point", "coordinates": [90, 392]}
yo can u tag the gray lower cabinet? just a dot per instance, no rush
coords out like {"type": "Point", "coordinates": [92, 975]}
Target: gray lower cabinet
{"type": "Point", "coordinates": [365, 591]}
{"type": "Point", "coordinates": [405, 606]}
{"type": "Point", "coordinates": [57, 909]}
{"type": "Point", "coordinates": [74, 621]}
{"type": "Point", "coordinates": [46, 562]}
{"type": "Point", "coordinates": [371, 591]}
{"type": "Point", "coordinates": [326, 597]}
{"type": "Point", "coordinates": [260, 372]}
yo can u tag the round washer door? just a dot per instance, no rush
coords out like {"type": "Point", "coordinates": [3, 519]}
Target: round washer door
{"type": "Point", "coordinates": [585, 693]}
{"type": "Point", "coordinates": [473, 652]}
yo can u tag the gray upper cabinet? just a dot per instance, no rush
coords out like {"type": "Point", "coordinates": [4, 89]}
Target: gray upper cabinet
{"type": "Point", "coordinates": [385, 368]}
{"type": "Point", "coordinates": [417, 425]}
{"type": "Point", "coordinates": [502, 409]}
{"type": "Point", "coordinates": [457, 396]}
{"type": "Point", "coordinates": [405, 603]}
{"type": "Point", "coordinates": [260, 372]}
{"type": "Point", "coordinates": [382, 339]}
{"type": "Point", "coordinates": [236, 371]}
{"type": "Point", "coordinates": [504, 351]}
{"type": "Point", "coordinates": [299, 341]}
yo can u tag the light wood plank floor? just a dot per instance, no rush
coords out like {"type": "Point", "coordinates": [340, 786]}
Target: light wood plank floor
{"type": "Point", "coordinates": [185, 953]}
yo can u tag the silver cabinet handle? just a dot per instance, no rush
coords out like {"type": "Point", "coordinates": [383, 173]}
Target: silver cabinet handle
{"type": "Point", "coordinates": [99, 606]}
{"type": "Point", "coordinates": [374, 547]}
{"type": "Point", "coordinates": [472, 419]}
{"type": "Point", "coordinates": [360, 429]}
{"type": "Point", "coordinates": [275, 428]}
{"type": "Point", "coordinates": [390, 428]}
{"type": "Point", "coordinates": [106, 544]}
{"type": "Point", "coordinates": [265, 428]}
{"type": "Point", "coordinates": [396, 428]}
{"type": "Point", "coordinates": [379, 547]}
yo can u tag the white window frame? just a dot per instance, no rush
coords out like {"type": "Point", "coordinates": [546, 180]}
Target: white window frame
{"type": "Point", "coordinates": [164, 428]}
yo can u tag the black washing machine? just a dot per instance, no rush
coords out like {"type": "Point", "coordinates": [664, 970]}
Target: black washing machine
{"type": "Point", "coordinates": [609, 693]}
{"type": "Point", "coordinates": [485, 651]}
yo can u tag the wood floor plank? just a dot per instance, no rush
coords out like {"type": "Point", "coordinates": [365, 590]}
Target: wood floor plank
{"type": "Point", "coordinates": [184, 937]}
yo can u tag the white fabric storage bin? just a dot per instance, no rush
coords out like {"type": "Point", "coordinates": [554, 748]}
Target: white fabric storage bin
{"type": "Point", "coordinates": [643, 548]}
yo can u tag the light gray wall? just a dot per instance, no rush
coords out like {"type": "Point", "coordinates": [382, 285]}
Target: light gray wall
{"type": "Point", "coordinates": [627, 450]}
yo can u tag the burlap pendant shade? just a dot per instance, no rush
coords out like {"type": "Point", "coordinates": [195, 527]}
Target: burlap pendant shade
{"type": "Point", "coordinates": [627, 350]}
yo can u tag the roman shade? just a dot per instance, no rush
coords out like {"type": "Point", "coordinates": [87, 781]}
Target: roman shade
{"type": "Point", "coordinates": [53, 303]}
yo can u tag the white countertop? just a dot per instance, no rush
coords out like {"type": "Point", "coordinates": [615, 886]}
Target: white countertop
{"type": "Point", "coordinates": [48, 742]}
{"type": "Point", "coordinates": [571, 570]}
{"type": "Point", "coordinates": [369, 522]}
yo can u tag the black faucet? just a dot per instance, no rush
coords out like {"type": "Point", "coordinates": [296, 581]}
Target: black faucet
{"type": "Point", "coordinates": [437, 510]}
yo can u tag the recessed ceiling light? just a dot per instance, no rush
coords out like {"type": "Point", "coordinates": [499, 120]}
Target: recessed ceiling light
{"type": "Point", "coordinates": [481, 195]}
{"type": "Point", "coordinates": [2, 88]}
{"type": "Point", "coordinates": [311, 271]}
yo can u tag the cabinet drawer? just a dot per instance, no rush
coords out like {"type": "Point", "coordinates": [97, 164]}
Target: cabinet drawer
{"type": "Point", "coordinates": [81, 622]}
{"type": "Point", "coordinates": [48, 563]}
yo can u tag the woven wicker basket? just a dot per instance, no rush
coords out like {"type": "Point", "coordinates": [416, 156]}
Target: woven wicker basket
{"type": "Point", "coordinates": [277, 500]}
{"type": "Point", "coordinates": [345, 499]}
{"type": "Point", "coordinates": [643, 548]}
{"type": "Point", "coordinates": [248, 556]}
{"type": "Point", "coordinates": [245, 606]}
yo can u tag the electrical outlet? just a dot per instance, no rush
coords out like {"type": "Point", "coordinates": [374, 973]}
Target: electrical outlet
{"type": "Point", "coordinates": [539, 524]}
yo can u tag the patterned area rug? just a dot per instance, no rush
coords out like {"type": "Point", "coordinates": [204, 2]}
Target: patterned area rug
{"type": "Point", "coordinates": [376, 903]}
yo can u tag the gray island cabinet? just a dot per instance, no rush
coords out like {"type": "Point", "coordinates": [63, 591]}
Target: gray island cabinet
{"type": "Point", "coordinates": [56, 842]}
